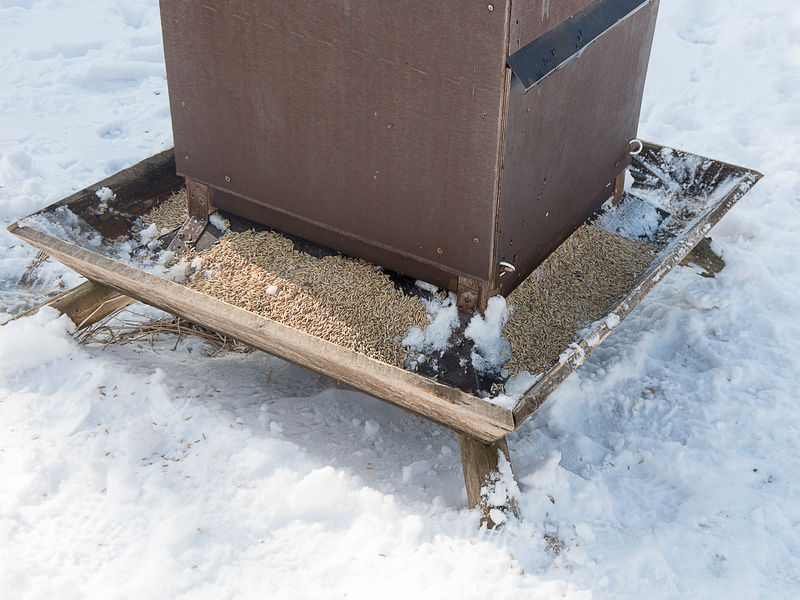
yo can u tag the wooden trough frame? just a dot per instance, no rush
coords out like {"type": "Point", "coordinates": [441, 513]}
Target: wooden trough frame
{"type": "Point", "coordinates": [669, 175]}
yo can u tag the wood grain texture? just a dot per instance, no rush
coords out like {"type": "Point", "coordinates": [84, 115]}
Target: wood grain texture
{"type": "Point", "coordinates": [90, 303]}
{"type": "Point", "coordinates": [450, 407]}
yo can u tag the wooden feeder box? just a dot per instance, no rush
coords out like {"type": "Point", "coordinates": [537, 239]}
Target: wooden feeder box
{"type": "Point", "coordinates": [455, 142]}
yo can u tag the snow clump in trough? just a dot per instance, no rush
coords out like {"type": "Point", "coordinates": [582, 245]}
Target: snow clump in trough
{"type": "Point", "coordinates": [443, 316]}
{"type": "Point", "coordinates": [105, 195]}
{"type": "Point", "coordinates": [491, 350]}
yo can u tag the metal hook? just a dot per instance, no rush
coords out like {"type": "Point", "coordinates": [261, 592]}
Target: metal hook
{"type": "Point", "coordinates": [507, 268]}
{"type": "Point", "coordinates": [639, 149]}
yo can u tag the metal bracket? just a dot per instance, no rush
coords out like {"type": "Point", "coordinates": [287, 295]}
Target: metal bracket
{"type": "Point", "coordinates": [467, 299]}
{"type": "Point", "coordinates": [472, 295]}
{"type": "Point", "coordinates": [199, 204]}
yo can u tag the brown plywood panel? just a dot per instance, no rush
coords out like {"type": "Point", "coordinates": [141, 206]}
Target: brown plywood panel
{"type": "Point", "coordinates": [566, 141]}
{"type": "Point", "coordinates": [533, 18]}
{"type": "Point", "coordinates": [322, 112]}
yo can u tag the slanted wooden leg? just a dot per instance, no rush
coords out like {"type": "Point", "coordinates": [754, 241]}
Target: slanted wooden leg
{"type": "Point", "coordinates": [85, 304]}
{"type": "Point", "coordinates": [487, 487]}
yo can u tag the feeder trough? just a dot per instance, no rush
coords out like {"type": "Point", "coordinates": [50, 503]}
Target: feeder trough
{"type": "Point", "coordinates": [675, 199]}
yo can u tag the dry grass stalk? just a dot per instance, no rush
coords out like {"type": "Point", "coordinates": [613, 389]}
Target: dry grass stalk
{"type": "Point", "coordinates": [148, 331]}
{"type": "Point", "coordinates": [29, 276]}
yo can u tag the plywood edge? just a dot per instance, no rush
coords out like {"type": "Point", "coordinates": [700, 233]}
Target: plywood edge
{"type": "Point", "coordinates": [578, 352]}
{"type": "Point", "coordinates": [447, 406]}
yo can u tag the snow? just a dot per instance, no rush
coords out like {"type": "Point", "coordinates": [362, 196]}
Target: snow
{"type": "Point", "coordinates": [428, 287]}
{"type": "Point", "coordinates": [217, 221]}
{"type": "Point", "coordinates": [634, 218]}
{"type": "Point", "coordinates": [147, 234]}
{"type": "Point", "coordinates": [514, 389]}
{"type": "Point", "coordinates": [665, 467]}
{"type": "Point", "coordinates": [500, 491]}
{"type": "Point", "coordinates": [105, 195]}
{"type": "Point", "coordinates": [443, 316]}
{"type": "Point", "coordinates": [491, 350]}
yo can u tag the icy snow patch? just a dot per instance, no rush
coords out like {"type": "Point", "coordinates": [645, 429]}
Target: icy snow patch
{"type": "Point", "coordinates": [633, 218]}
{"type": "Point", "coordinates": [149, 233]}
{"type": "Point", "coordinates": [428, 287]}
{"type": "Point", "coordinates": [514, 389]}
{"type": "Point", "coordinates": [217, 221]}
{"type": "Point", "coordinates": [491, 350]}
{"type": "Point", "coordinates": [575, 350]}
{"type": "Point", "coordinates": [501, 490]}
{"type": "Point", "coordinates": [141, 249]}
{"type": "Point", "coordinates": [66, 226]}
{"type": "Point", "coordinates": [105, 195]}
{"type": "Point", "coordinates": [443, 316]}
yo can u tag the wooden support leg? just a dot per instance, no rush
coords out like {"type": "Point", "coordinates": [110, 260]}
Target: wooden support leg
{"type": "Point", "coordinates": [487, 487]}
{"type": "Point", "coordinates": [85, 304]}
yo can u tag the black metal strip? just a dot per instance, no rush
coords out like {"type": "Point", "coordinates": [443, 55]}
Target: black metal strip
{"type": "Point", "coordinates": [535, 61]}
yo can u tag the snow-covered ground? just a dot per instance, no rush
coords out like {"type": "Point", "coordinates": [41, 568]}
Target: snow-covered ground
{"type": "Point", "coordinates": [666, 467]}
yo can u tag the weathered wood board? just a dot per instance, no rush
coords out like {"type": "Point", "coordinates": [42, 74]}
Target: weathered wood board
{"type": "Point", "coordinates": [690, 193]}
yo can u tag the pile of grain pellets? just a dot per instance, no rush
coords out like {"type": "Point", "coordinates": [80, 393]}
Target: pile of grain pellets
{"type": "Point", "coordinates": [169, 214]}
{"type": "Point", "coordinates": [577, 284]}
{"type": "Point", "coordinates": [344, 300]}
{"type": "Point", "coordinates": [353, 303]}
